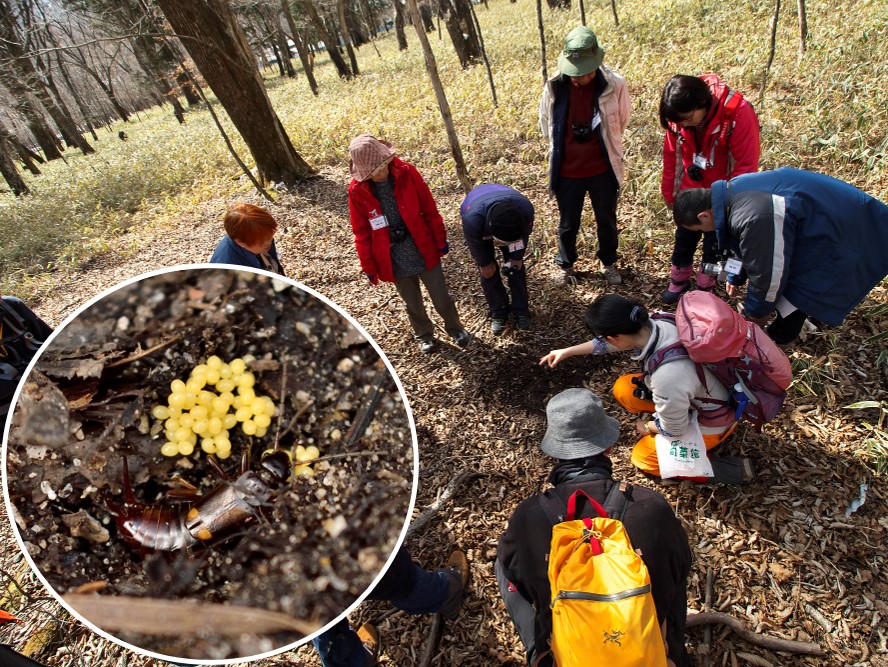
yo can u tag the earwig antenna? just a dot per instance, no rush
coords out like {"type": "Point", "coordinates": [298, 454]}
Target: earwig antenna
{"type": "Point", "coordinates": [365, 414]}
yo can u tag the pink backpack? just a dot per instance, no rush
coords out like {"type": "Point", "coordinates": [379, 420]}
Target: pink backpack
{"type": "Point", "coordinates": [736, 351]}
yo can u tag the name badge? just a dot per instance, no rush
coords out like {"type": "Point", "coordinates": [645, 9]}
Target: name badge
{"type": "Point", "coordinates": [378, 222]}
{"type": "Point", "coordinates": [699, 161]}
{"type": "Point", "coordinates": [596, 120]}
{"type": "Point", "coordinates": [517, 245]}
{"type": "Point", "coordinates": [733, 265]}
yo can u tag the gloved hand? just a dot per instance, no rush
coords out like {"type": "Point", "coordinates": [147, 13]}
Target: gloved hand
{"type": "Point", "coordinates": [445, 249]}
{"type": "Point", "coordinates": [372, 278]}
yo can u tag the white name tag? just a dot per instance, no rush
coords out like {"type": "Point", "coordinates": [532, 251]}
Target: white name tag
{"type": "Point", "coordinates": [596, 120]}
{"type": "Point", "coordinates": [517, 245]}
{"type": "Point", "coordinates": [733, 265]}
{"type": "Point", "coordinates": [378, 222]}
{"type": "Point", "coordinates": [699, 161]}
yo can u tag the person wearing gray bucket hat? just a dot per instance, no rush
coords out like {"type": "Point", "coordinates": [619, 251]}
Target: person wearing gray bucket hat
{"type": "Point", "coordinates": [579, 434]}
{"type": "Point", "coordinates": [584, 111]}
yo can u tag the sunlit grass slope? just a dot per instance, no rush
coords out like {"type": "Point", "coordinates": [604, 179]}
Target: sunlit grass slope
{"type": "Point", "coordinates": [826, 110]}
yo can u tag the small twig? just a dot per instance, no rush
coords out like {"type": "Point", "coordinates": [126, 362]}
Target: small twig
{"type": "Point", "coordinates": [428, 652]}
{"type": "Point", "coordinates": [707, 606]}
{"type": "Point", "coordinates": [822, 620]}
{"type": "Point", "coordinates": [144, 353]}
{"type": "Point", "coordinates": [446, 495]}
{"type": "Point", "coordinates": [740, 629]}
{"type": "Point", "coordinates": [346, 455]}
{"type": "Point", "coordinates": [295, 418]}
{"type": "Point", "coordinates": [365, 414]}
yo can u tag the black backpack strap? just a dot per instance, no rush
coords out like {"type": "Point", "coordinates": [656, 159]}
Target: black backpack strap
{"type": "Point", "coordinates": [553, 506]}
{"type": "Point", "coordinates": [617, 500]}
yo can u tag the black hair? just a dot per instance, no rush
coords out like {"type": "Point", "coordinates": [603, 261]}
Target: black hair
{"type": "Point", "coordinates": [612, 315]}
{"type": "Point", "coordinates": [682, 95]}
{"type": "Point", "coordinates": [688, 204]}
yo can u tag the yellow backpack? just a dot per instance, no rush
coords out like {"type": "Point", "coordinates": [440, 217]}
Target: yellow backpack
{"type": "Point", "coordinates": [602, 608]}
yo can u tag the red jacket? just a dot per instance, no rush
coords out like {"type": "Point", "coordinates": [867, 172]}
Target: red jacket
{"type": "Point", "coordinates": [738, 154]}
{"type": "Point", "coordinates": [418, 210]}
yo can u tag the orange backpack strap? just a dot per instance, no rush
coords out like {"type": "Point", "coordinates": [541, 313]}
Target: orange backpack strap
{"type": "Point", "coordinates": [731, 103]}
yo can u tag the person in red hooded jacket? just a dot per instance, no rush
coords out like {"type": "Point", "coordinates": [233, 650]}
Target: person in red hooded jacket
{"type": "Point", "coordinates": [400, 236]}
{"type": "Point", "coordinates": [712, 134]}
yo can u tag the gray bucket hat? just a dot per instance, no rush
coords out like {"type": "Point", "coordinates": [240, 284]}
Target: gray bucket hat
{"type": "Point", "coordinates": [582, 53]}
{"type": "Point", "coordinates": [577, 426]}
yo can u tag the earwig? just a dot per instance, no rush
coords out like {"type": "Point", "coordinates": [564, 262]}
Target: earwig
{"type": "Point", "coordinates": [227, 507]}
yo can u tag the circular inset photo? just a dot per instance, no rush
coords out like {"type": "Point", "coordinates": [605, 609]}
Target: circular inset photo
{"type": "Point", "coordinates": [210, 464]}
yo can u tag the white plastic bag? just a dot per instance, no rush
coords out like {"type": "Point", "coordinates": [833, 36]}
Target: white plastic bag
{"type": "Point", "coordinates": [684, 456]}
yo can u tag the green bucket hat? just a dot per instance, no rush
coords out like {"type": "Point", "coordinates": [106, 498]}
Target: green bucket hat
{"type": "Point", "coordinates": [582, 54]}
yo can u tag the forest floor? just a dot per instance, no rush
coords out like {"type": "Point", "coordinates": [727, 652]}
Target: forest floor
{"type": "Point", "coordinates": [786, 558]}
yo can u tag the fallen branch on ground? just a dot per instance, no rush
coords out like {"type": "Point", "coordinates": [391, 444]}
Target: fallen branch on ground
{"type": "Point", "coordinates": [446, 495]}
{"type": "Point", "coordinates": [740, 629]}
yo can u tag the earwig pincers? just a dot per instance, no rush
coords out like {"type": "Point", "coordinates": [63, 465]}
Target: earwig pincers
{"type": "Point", "coordinates": [228, 506]}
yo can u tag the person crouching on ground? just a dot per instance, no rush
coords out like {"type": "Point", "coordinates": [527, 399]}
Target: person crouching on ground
{"type": "Point", "coordinates": [668, 392]}
{"type": "Point", "coordinates": [711, 133]}
{"type": "Point", "coordinates": [579, 436]}
{"type": "Point", "coordinates": [499, 217]}
{"type": "Point", "coordinates": [400, 236]}
{"type": "Point", "coordinates": [249, 239]}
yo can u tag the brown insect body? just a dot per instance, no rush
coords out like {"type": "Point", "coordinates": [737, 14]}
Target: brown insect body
{"type": "Point", "coordinates": [227, 507]}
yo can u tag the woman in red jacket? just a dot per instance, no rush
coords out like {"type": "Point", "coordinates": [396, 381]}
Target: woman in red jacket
{"type": "Point", "coordinates": [712, 134]}
{"type": "Point", "coordinates": [400, 235]}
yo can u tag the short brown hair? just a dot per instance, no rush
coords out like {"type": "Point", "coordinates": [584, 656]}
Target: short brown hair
{"type": "Point", "coordinates": [249, 224]}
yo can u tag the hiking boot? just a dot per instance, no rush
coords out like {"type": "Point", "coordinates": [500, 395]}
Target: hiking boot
{"type": "Point", "coordinates": [731, 470]}
{"type": "Point", "coordinates": [497, 325]}
{"type": "Point", "coordinates": [679, 281]}
{"type": "Point", "coordinates": [427, 346]}
{"type": "Point", "coordinates": [462, 338]}
{"type": "Point", "coordinates": [705, 281]}
{"type": "Point", "coordinates": [457, 571]}
{"type": "Point", "coordinates": [568, 275]}
{"type": "Point", "coordinates": [611, 275]}
{"type": "Point", "coordinates": [522, 322]}
{"type": "Point", "coordinates": [369, 636]}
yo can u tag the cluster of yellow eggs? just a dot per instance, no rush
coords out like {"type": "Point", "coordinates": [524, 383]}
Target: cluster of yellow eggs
{"type": "Point", "coordinates": [196, 413]}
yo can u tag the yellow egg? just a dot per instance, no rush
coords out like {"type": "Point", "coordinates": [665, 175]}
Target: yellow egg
{"type": "Point", "coordinates": [201, 427]}
{"type": "Point", "coordinates": [260, 432]}
{"type": "Point", "coordinates": [160, 412]}
{"type": "Point", "coordinates": [248, 358]}
{"type": "Point", "coordinates": [177, 386]}
{"type": "Point", "coordinates": [205, 398]}
{"type": "Point", "coordinates": [247, 396]}
{"type": "Point", "coordinates": [214, 426]}
{"type": "Point", "coordinates": [246, 380]}
{"type": "Point", "coordinates": [169, 449]}
{"type": "Point", "coordinates": [238, 366]}
{"type": "Point", "coordinates": [239, 403]}
{"type": "Point", "coordinates": [222, 442]}
{"type": "Point", "coordinates": [186, 420]}
{"type": "Point", "coordinates": [182, 433]}
{"type": "Point", "coordinates": [223, 453]}
{"type": "Point", "coordinates": [194, 385]}
{"type": "Point", "coordinates": [249, 427]}
{"type": "Point", "coordinates": [213, 376]}
{"type": "Point", "coordinates": [208, 445]}
{"type": "Point", "coordinates": [262, 421]}
{"type": "Point", "coordinates": [185, 448]}
{"type": "Point", "coordinates": [229, 421]}
{"type": "Point", "coordinates": [190, 400]}
{"type": "Point", "coordinates": [225, 372]}
{"type": "Point", "coordinates": [225, 385]}
{"type": "Point", "coordinates": [243, 414]}
{"type": "Point", "coordinates": [200, 412]}
{"type": "Point", "coordinates": [177, 400]}
{"type": "Point", "coordinates": [219, 406]}
{"type": "Point", "coordinates": [228, 397]}
{"type": "Point", "coordinates": [214, 362]}
{"type": "Point", "coordinates": [172, 423]}
{"type": "Point", "coordinates": [269, 406]}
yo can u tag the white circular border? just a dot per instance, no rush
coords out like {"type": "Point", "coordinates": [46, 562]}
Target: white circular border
{"type": "Point", "coordinates": [11, 511]}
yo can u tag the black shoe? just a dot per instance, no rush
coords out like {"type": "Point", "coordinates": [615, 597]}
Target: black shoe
{"type": "Point", "coordinates": [427, 346]}
{"type": "Point", "coordinates": [731, 470]}
{"type": "Point", "coordinates": [497, 326]}
{"type": "Point", "coordinates": [522, 322]}
{"type": "Point", "coordinates": [671, 296]}
{"type": "Point", "coordinates": [462, 338]}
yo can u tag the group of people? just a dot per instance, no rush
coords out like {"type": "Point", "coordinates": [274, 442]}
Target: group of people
{"type": "Point", "coordinates": [805, 245]}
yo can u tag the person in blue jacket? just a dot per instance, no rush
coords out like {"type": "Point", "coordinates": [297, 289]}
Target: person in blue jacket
{"type": "Point", "coordinates": [809, 244]}
{"type": "Point", "coordinates": [499, 217]}
{"type": "Point", "coordinates": [249, 239]}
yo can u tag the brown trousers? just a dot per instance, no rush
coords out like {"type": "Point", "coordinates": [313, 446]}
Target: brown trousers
{"type": "Point", "coordinates": [434, 282]}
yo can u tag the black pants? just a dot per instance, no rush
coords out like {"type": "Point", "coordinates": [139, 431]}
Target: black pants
{"type": "Point", "coordinates": [784, 330]}
{"type": "Point", "coordinates": [498, 296]}
{"type": "Point", "coordinates": [685, 247]}
{"type": "Point", "coordinates": [570, 195]}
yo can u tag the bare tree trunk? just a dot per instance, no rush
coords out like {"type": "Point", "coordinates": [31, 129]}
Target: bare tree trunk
{"type": "Point", "coordinates": [187, 88]}
{"type": "Point", "coordinates": [774, 21]}
{"type": "Point", "coordinates": [614, 10]}
{"type": "Point", "coordinates": [803, 27]}
{"type": "Point", "coordinates": [300, 47]}
{"type": "Point", "coordinates": [432, 68]}
{"type": "Point", "coordinates": [343, 31]}
{"type": "Point", "coordinates": [8, 169]}
{"type": "Point", "coordinates": [582, 12]}
{"type": "Point", "coordinates": [332, 46]}
{"type": "Point", "coordinates": [26, 155]}
{"type": "Point", "coordinates": [544, 70]}
{"type": "Point", "coordinates": [284, 48]}
{"type": "Point", "coordinates": [458, 19]}
{"type": "Point", "coordinates": [210, 32]}
{"type": "Point", "coordinates": [484, 54]}
{"type": "Point", "coordinates": [399, 26]}
{"type": "Point", "coordinates": [78, 100]}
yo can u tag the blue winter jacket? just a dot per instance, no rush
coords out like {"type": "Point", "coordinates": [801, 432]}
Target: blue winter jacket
{"type": "Point", "coordinates": [819, 242]}
{"type": "Point", "coordinates": [229, 252]}
{"type": "Point", "coordinates": [474, 211]}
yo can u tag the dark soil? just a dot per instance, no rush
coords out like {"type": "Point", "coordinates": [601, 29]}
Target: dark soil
{"type": "Point", "coordinates": [313, 550]}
